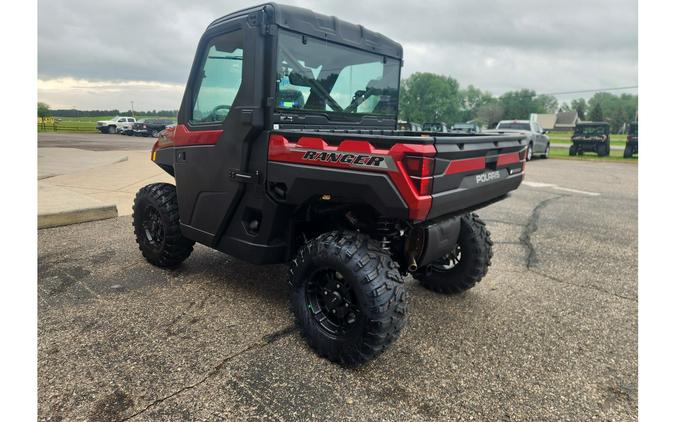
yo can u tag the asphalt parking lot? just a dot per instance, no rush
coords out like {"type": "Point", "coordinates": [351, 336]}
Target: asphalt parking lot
{"type": "Point", "coordinates": [549, 334]}
{"type": "Point", "coordinates": [94, 141]}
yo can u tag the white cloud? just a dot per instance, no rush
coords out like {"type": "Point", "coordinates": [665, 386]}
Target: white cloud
{"type": "Point", "coordinates": [497, 45]}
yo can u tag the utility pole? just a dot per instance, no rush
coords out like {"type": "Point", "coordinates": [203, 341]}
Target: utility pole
{"type": "Point", "coordinates": [132, 110]}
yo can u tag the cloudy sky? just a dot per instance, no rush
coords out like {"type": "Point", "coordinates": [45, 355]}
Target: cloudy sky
{"type": "Point", "coordinates": [102, 55]}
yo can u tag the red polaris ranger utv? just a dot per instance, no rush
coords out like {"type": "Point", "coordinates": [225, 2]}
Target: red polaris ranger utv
{"type": "Point", "coordinates": [286, 151]}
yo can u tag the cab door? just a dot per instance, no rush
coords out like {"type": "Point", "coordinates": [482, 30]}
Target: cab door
{"type": "Point", "coordinates": [218, 120]}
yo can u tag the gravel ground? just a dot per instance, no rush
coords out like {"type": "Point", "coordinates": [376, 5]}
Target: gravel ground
{"type": "Point", "coordinates": [549, 334]}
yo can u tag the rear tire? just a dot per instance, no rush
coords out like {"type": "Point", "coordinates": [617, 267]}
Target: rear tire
{"type": "Point", "coordinates": [573, 150]}
{"type": "Point", "coordinates": [628, 151]}
{"type": "Point", "coordinates": [603, 150]}
{"type": "Point", "coordinates": [547, 151]}
{"type": "Point", "coordinates": [530, 152]}
{"type": "Point", "coordinates": [348, 297]}
{"type": "Point", "coordinates": [466, 265]}
{"type": "Point", "coordinates": [157, 226]}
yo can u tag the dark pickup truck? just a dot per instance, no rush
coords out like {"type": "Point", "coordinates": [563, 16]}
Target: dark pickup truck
{"type": "Point", "coordinates": [286, 151]}
{"type": "Point", "coordinates": [150, 127]}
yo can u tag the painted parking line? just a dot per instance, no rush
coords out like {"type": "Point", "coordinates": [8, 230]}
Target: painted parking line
{"type": "Point", "coordinates": [556, 187]}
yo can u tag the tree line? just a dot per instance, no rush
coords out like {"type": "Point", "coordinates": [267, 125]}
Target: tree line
{"type": "Point", "coordinates": [44, 109]}
{"type": "Point", "coordinates": [429, 97]}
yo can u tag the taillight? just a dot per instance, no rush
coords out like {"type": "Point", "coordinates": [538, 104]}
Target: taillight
{"type": "Point", "coordinates": [421, 172]}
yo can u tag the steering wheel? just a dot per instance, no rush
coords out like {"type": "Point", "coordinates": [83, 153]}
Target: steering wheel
{"type": "Point", "coordinates": [212, 115]}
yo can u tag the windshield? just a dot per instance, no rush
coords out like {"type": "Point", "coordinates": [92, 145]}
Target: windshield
{"type": "Point", "coordinates": [322, 76]}
{"type": "Point", "coordinates": [515, 126]}
{"type": "Point", "coordinates": [590, 130]}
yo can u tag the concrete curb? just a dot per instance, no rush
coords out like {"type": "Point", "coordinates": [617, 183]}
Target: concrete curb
{"type": "Point", "coordinates": [82, 215]}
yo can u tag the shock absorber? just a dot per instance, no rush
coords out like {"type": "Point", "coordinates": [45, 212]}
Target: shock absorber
{"type": "Point", "coordinates": [385, 229]}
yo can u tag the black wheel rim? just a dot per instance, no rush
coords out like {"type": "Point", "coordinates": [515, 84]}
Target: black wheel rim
{"type": "Point", "coordinates": [447, 262]}
{"type": "Point", "coordinates": [332, 302]}
{"type": "Point", "coordinates": [152, 226]}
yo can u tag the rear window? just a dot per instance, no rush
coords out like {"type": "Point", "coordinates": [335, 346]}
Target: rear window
{"type": "Point", "coordinates": [514, 126]}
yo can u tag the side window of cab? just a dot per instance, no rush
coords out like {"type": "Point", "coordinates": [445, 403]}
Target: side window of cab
{"type": "Point", "coordinates": [219, 79]}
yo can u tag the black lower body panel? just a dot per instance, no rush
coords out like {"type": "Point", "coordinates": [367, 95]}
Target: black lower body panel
{"type": "Point", "coordinates": [470, 196]}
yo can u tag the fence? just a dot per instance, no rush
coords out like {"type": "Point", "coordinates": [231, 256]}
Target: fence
{"type": "Point", "coordinates": [47, 127]}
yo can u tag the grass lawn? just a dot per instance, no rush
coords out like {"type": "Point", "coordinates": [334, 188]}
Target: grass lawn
{"type": "Point", "coordinates": [563, 153]}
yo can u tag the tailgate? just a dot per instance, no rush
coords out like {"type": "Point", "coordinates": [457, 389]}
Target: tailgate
{"type": "Point", "coordinates": [474, 170]}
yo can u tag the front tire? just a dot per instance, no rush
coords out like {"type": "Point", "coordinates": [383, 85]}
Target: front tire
{"type": "Point", "coordinates": [573, 150]}
{"type": "Point", "coordinates": [157, 226]}
{"type": "Point", "coordinates": [530, 152]}
{"type": "Point", "coordinates": [347, 296]}
{"type": "Point", "coordinates": [465, 265]}
{"type": "Point", "coordinates": [112, 130]}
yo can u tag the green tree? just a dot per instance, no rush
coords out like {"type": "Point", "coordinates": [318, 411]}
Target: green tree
{"type": "Point", "coordinates": [580, 106]}
{"type": "Point", "coordinates": [489, 114]}
{"type": "Point", "coordinates": [616, 110]}
{"type": "Point", "coordinates": [545, 104]}
{"type": "Point", "coordinates": [427, 97]}
{"type": "Point", "coordinates": [471, 99]}
{"type": "Point", "coordinates": [596, 113]}
{"type": "Point", "coordinates": [520, 104]}
{"type": "Point", "coordinates": [42, 112]}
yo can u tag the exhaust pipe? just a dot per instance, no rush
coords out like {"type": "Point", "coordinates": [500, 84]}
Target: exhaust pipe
{"type": "Point", "coordinates": [412, 264]}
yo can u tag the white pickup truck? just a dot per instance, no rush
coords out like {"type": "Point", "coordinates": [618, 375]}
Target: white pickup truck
{"type": "Point", "coordinates": [118, 124]}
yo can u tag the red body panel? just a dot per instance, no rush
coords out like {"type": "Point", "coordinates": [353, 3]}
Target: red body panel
{"type": "Point", "coordinates": [466, 164]}
{"type": "Point", "coordinates": [179, 136]}
{"type": "Point", "coordinates": [281, 149]}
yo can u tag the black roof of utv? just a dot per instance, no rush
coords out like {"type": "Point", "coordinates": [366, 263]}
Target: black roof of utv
{"type": "Point", "coordinates": [320, 26]}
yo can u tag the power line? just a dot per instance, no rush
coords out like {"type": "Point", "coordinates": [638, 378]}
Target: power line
{"type": "Point", "coordinates": [591, 90]}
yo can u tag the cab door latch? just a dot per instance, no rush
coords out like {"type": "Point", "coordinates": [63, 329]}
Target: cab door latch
{"type": "Point", "coordinates": [243, 177]}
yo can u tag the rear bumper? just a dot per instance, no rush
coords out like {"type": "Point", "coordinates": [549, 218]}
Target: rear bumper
{"type": "Point", "coordinates": [588, 145]}
{"type": "Point", "coordinates": [455, 201]}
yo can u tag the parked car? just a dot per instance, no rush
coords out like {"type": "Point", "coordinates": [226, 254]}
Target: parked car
{"type": "Point", "coordinates": [537, 140]}
{"type": "Point", "coordinates": [409, 126]}
{"type": "Point", "coordinates": [631, 141]}
{"type": "Point", "coordinates": [591, 137]}
{"type": "Point", "coordinates": [435, 127]}
{"type": "Point", "coordinates": [465, 128]}
{"type": "Point", "coordinates": [118, 124]}
{"type": "Point", "coordinates": [150, 127]}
